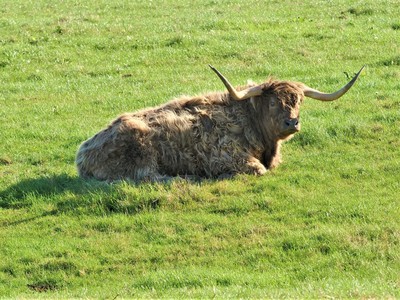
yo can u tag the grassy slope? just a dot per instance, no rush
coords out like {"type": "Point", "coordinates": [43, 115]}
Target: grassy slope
{"type": "Point", "coordinates": [325, 223]}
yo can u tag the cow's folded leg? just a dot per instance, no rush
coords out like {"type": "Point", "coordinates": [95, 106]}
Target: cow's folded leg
{"type": "Point", "coordinates": [255, 167]}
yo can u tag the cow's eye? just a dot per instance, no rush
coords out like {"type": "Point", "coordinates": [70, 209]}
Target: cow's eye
{"type": "Point", "coordinates": [272, 103]}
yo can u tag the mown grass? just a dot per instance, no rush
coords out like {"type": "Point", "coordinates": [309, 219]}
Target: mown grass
{"type": "Point", "coordinates": [324, 224]}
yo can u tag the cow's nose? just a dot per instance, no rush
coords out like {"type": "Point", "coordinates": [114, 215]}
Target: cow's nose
{"type": "Point", "coordinates": [292, 123]}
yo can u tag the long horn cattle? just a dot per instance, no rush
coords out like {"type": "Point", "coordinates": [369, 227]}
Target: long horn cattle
{"type": "Point", "coordinates": [212, 135]}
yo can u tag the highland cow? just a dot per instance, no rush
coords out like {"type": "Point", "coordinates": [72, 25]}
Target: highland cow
{"type": "Point", "coordinates": [210, 136]}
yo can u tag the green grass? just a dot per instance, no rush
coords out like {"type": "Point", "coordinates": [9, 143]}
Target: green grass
{"type": "Point", "coordinates": [324, 224]}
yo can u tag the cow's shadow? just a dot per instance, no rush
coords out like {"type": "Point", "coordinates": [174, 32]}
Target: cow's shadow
{"type": "Point", "coordinates": [69, 194]}
{"type": "Point", "coordinates": [26, 192]}
{"type": "Point", "coordinates": [46, 186]}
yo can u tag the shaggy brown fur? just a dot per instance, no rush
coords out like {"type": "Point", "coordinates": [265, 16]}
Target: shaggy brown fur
{"type": "Point", "coordinates": [207, 136]}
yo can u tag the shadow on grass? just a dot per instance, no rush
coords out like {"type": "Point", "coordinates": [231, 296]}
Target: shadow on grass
{"type": "Point", "coordinates": [25, 191]}
{"type": "Point", "coordinates": [63, 194]}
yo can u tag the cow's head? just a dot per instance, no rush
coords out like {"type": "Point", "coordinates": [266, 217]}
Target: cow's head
{"type": "Point", "coordinates": [278, 102]}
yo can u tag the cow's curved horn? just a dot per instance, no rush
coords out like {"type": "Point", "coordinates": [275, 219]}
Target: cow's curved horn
{"type": "Point", "coordinates": [238, 95]}
{"type": "Point", "coordinates": [309, 92]}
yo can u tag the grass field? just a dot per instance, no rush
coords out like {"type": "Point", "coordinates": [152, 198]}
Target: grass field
{"type": "Point", "coordinates": [324, 224]}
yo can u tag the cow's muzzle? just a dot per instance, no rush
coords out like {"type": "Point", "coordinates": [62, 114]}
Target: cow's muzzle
{"type": "Point", "coordinates": [292, 125]}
